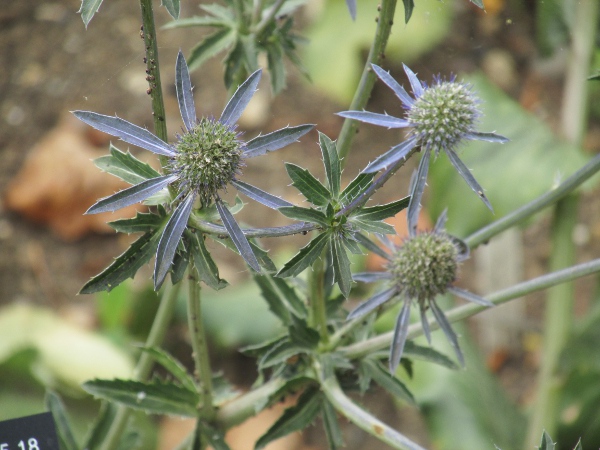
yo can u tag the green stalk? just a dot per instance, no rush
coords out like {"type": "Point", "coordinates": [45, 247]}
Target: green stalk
{"type": "Point", "coordinates": [383, 341]}
{"type": "Point", "coordinates": [558, 321]}
{"type": "Point", "coordinates": [317, 299]}
{"type": "Point", "coordinates": [142, 369]}
{"type": "Point", "coordinates": [385, 21]}
{"type": "Point", "coordinates": [200, 347]}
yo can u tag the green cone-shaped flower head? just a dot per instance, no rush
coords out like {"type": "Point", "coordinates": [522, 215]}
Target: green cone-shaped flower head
{"type": "Point", "coordinates": [208, 157]}
{"type": "Point", "coordinates": [443, 115]}
{"type": "Point", "coordinates": [424, 266]}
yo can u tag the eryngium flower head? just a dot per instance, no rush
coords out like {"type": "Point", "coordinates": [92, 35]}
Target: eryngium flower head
{"type": "Point", "coordinates": [440, 117]}
{"type": "Point", "coordinates": [423, 267]}
{"type": "Point", "coordinates": [207, 158]}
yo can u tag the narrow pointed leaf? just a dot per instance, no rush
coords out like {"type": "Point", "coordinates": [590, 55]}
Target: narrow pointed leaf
{"type": "Point", "coordinates": [199, 21]}
{"type": "Point", "coordinates": [489, 137]}
{"type": "Point", "coordinates": [280, 353]}
{"type": "Point", "coordinates": [170, 239]}
{"type": "Point", "coordinates": [179, 267]}
{"type": "Point", "coordinates": [141, 223]}
{"type": "Point", "coordinates": [173, 6]}
{"type": "Point", "coordinates": [183, 86]}
{"type": "Point", "coordinates": [388, 382]}
{"type": "Point", "coordinates": [417, 192]}
{"type": "Point", "coordinates": [371, 246]}
{"type": "Point", "coordinates": [440, 223]}
{"type": "Point", "coordinates": [153, 397]}
{"type": "Point", "coordinates": [305, 257]}
{"type": "Point", "coordinates": [88, 9]}
{"type": "Point", "coordinates": [281, 298]}
{"type": "Point", "coordinates": [296, 418]}
{"type": "Point", "coordinates": [409, 5]}
{"type": "Point", "coordinates": [478, 3]}
{"type": "Point", "coordinates": [351, 244]}
{"type": "Point", "coordinates": [382, 120]}
{"type": "Point", "coordinates": [205, 266]}
{"type": "Point", "coordinates": [214, 437]}
{"type": "Point", "coordinates": [429, 354]}
{"type": "Point", "coordinates": [371, 226]}
{"type": "Point", "coordinates": [260, 196]}
{"type": "Point", "coordinates": [276, 66]}
{"type": "Point", "coordinates": [63, 425]}
{"type": "Point", "coordinates": [125, 166]}
{"type": "Point", "coordinates": [237, 236]}
{"type": "Point", "coordinates": [308, 185]}
{"type": "Point", "coordinates": [331, 161]}
{"type": "Point", "coordinates": [172, 366]}
{"type": "Point", "coordinates": [235, 107]}
{"type": "Point", "coordinates": [126, 131]}
{"type": "Point", "coordinates": [425, 324]}
{"type": "Point", "coordinates": [416, 85]}
{"type": "Point", "coordinates": [392, 156]}
{"type": "Point", "coordinates": [468, 177]}
{"type": "Point", "coordinates": [381, 212]}
{"type": "Point", "coordinates": [448, 331]}
{"type": "Point", "coordinates": [275, 140]}
{"type": "Point", "coordinates": [546, 443]}
{"type": "Point", "coordinates": [372, 303]}
{"type": "Point", "coordinates": [399, 339]}
{"type": "Point", "coordinates": [210, 46]}
{"type": "Point", "coordinates": [356, 187]}
{"type": "Point", "coordinates": [371, 277]}
{"type": "Point", "coordinates": [352, 8]}
{"type": "Point", "coordinates": [392, 83]}
{"type": "Point", "coordinates": [341, 265]}
{"type": "Point", "coordinates": [331, 425]}
{"type": "Point", "coordinates": [125, 266]}
{"type": "Point", "coordinates": [469, 296]}
{"type": "Point", "coordinates": [304, 214]}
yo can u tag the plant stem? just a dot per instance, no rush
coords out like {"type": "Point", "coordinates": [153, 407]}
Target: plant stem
{"type": "Point", "coordinates": [533, 207]}
{"type": "Point", "coordinates": [317, 299]}
{"type": "Point", "coordinates": [560, 302]}
{"type": "Point", "coordinates": [367, 79]}
{"type": "Point", "coordinates": [360, 417]}
{"type": "Point", "coordinates": [383, 341]}
{"type": "Point", "coordinates": [142, 369]}
{"type": "Point", "coordinates": [200, 347]}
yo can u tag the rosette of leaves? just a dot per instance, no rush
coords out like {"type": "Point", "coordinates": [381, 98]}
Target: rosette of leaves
{"type": "Point", "coordinates": [340, 230]}
{"type": "Point", "coordinates": [246, 29]}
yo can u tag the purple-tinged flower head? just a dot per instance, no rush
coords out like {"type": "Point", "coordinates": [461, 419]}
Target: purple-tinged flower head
{"type": "Point", "coordinates": [207, 158]}
{"type": "Point", "coordinates": [424, 266]}
{"type": "Point", "coordinates": [439, 117]}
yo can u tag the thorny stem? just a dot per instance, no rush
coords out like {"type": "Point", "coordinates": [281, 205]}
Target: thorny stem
{"type": "Point", "coordinates": [200, 347]}
{"type": "Point", "coordinates": [367, 79]}
{"type": "Point", "coordinates": [383, 341]}
{"type": "Point", "coordinates": [142, 369]}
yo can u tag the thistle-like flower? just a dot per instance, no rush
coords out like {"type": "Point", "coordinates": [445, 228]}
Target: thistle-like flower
{"type": "Point", "coordinates": [440, 117]}
{"type": "Point", "coordinates": [424, 266]}
{"type": "Point", "coordinates": [206, 159]}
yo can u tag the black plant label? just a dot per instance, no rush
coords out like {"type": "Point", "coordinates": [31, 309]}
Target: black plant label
{"type": "Point", "coordinates": [36, 432]}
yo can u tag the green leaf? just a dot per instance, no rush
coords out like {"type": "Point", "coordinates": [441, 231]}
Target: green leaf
{"type": "Point", "coordinates": [302, 334]}
{"type": "Point", "coordinates": [214, 437]}
{"type": "Point", "coordinates": [305, 257]}
{"type": "Point", "coordinates": [124, 266]}
{"type": "Point", "coordinates": [205, 266]}
{"type": "Point", "coordinates": [63, 425]}
{"type": "Point", "coordinates": [478, 3]}
{"type": "Point", "coordinates": [179, 266]}
{"type": "Point", "coordinates": [173, 366]}
{"type": "Point", "coordinates": [88, 9]}
{"type": "Point", "coordinates": [373, 227]}
{"type": "Point", "coordinates": [331, 161]}
{"type": "Point", "coordinates": [309, 186]}
{"type": "Point", "coordinates": [296, 418]}
{"type": "Point", "coordinates": [141, 223]}
{"type": "Point", "coordinates": [578, 445]}
{"type": "Point", "coordinates": [594, 77]}
{"type": "Point", "coordinates": [282, 299]}
{"type": "Point", "coordinates": [428, 354]}
{"type": "Point", "coordinates": [356, 187]}
{"type": "Point", "coordinates": [332, 426]}
{"type": "Point", "coordinates": [125, 166]}
{"type": "Point", "coordinates": [279, 354]}
{"type": "Point", "coordinates": [173, 7]}
{"type": "Point", "coordinates": [99, 429]}
{"type": "Point", "coordinates": [546, 442]}
{"type": "Point", "coordinates": [210, 46]}
{"type": "Point", "coordinates": [380, 375]}
{"type": "Point", "coordinates": [199, 21]}
{"type": "Point", "coordinates": [153, 397]}
{"type": "Point", "coordinates": [341, 265]}
{"type": "Point", "coordinates": [276, 67]}
{"type": "Point", "coordinates": [409, 5]}
{"type": "Point", "coordinates": [382, 212]}
{"type": "Point", "coordinates": [234, 64]}
{"type": "Point", "coordinates": [304, 214]}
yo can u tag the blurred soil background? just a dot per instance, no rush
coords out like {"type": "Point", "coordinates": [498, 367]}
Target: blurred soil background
{"type": "Point", "coordinates": [52, 65]}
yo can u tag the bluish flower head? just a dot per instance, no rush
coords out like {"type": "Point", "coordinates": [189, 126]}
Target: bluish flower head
{"type": "Point", "coordinates": [439, 117]}
{"type": "Point", "coordinates": [423, 267]}
{"type": "Point", "coordinates": [206, 159]}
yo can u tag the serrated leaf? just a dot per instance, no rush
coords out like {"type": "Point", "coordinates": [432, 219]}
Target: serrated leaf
{"type": "Point", "coordinates": [173, 366]}
{"type": "Point", "coordinates": [279, 354]}
{"type": "Point", "coordinates": [331, 161]}
{"type": "Point", "coordinates": [63, 424]}
{"type": "Point", "coordinates": [304, 214]}
{"type": "Point", "coordinates": [259, 195]}
{"type": "Point", "coordinates": [257, 350]}
{"type": "Point", "coordinates": [341, 265]}
{"type": "Point", "coordinates": [237, 236]}
{"type": "Point", "coordinates": [183, 87]}
{"type": "Point", "coordinates": [125, 166]}
{"type": "Point", "coordinates": [260, 145]}
{"type": "Point", "coordinates": [305, 257]}
{"type": "Point", "coordinates": [546, 442]}
{"type": "Point", "coordinates": [370, 245]}
{"type": "Point", "coordinates": [205, 266]}
{"type": "Point", "coordinates": [308, 185]}
{"type": "Point", "coordinates": [295, 418]}
{"type": "Point", "coordinates": [88, 9]}
{"type": "Point", "coordinates": [234, 63]}
{"type": "Point", "coordinates": [356, 187]}
{"type": "Point", "coordinates": [179, 266]}
{"type": "Point", "coordinates": [390, 383]}
{"type": "Point", "coordinates": [210, 46]}
{"type": "Point", "coordinates": [331, 425]}
{"type": "Point", "coordinates": [382, 212]}
{"type": "Point", "coordinates": [125, 266]}
{"type": "Point", "coordinates": [276, 67]}
{"type": "Point", "coordinates": [141, 223]}
{"type": "Point", "coordinates": [373, 227]}
{"type": "Point", "coordinates": [152, 397]}
{"type": "Point", "coordinates": [281, 298]}
{"type": "Point", "coordinates": [429, 354]}
{"type": "Point", "coordinates": [302, 334]}
{"type": "Point", "coordinates": [351, 244]}
{"type": "Point", "coordinates": [173, 7]}
{"type": "Point", "coordinates": [240, 99]}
